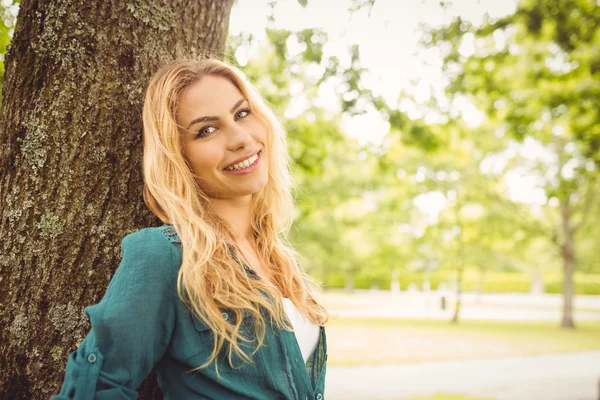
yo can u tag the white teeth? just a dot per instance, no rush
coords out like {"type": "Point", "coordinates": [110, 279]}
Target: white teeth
{"type": "Point", "coordinates": [244, 164]}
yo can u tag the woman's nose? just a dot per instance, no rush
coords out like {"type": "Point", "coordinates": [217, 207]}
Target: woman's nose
{"type": "Point", "coordinates": [238, 137]}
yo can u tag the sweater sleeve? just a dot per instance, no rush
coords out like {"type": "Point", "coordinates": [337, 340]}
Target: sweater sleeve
{"type": "Point", "coordinates": [130, 327]}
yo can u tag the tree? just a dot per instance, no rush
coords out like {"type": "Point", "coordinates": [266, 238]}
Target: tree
{"type": "Point", "coordinates": [70, 156]}
{"type": "Point", "coordinates": [534, 73]}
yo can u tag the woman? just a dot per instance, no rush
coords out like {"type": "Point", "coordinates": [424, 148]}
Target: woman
{"type": "Point", "coordinates": [213, 300]}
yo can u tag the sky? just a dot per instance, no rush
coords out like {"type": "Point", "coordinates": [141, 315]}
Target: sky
{"type": "Point", "coordinates": [388, 41]}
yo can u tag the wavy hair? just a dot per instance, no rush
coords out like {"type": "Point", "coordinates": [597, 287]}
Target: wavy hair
{"type": "Point", "coordinates": [212, 276]}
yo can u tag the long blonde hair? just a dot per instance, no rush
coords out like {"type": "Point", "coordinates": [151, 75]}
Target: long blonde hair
{"type": "Point", "coordinates": [211, 277]}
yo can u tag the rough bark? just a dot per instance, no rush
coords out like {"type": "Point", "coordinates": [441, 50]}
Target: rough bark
{"type": "Point", "coordinates": [568, 255]}
{"type": "Point", "coordinates": [70, 158]}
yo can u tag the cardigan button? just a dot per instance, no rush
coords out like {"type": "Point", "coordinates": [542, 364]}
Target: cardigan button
{"type": "Point", "coordinates": [225, 316]}
{"type": "Point", "coordinates": [319, 396]}
{"type": "Point", "coordinates": [92, 358]}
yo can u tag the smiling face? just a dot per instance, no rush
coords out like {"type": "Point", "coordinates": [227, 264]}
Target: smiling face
{"type": "Point", "coordinates": [223, 140]}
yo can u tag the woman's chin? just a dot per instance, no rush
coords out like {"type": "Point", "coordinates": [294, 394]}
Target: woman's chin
{"type": "Point", "coordinates": [249, 190]}
{"type": "Point", "coordinates": [258, 188]}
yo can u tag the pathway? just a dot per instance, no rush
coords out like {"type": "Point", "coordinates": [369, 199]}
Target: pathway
{"type": "Point", "coordinates": [570, 376]}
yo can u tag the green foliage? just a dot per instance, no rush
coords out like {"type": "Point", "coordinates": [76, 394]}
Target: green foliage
{"type": "Point", "coordinates": [496, 282]}
{"type": "Point", "coordinates": [533, 70]}
{"type": "Point", "coordinates": [588, 284]}
{"type": "Point", "coordinates": [8, 14]}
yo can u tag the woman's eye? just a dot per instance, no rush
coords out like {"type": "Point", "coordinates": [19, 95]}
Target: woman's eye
{"type": "Point", "coordinates": [242, 113]}
{"type": "Point", "coordinates": [207, 130]}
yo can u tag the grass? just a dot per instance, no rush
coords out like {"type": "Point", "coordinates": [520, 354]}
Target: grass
{"type": "Point", "coordinates": [372, 341]}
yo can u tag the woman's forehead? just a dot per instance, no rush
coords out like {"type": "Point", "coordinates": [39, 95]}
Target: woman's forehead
{"type": "Point", "coordinates": [211, 95]}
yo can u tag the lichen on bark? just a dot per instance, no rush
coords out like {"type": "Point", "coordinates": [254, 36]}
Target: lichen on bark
{"type": "Point", "coordinates": [153, 14]}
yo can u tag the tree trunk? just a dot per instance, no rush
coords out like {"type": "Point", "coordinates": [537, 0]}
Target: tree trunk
{"type": "Point", "coordinates": [459, 281]}
{"type": "Point", "coordinates": [568, 254]}
{"type": "Point", "coordinates": [349, 287]}
{"type": "Point", "coordinates": [70, 165]}
{"type": "Point", "coordinates": [325, 274]}
{"type": "Point", "coordinates": [482, 269]}
{"type": "Point", "coordinates": [395, 282]}
{"type": "Point", "coordinates": [537, 281]}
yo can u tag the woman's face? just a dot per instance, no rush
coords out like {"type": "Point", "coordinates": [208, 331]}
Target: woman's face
{"type": "Point", "coordinates": [223, 140]}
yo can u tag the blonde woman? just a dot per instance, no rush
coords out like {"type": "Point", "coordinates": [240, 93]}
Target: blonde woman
{"type": "Point", "coordinates": [214, 300]}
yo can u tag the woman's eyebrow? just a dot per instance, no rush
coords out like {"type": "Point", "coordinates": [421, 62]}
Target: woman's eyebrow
{"type": "Point", "coordinates": [204, 119]}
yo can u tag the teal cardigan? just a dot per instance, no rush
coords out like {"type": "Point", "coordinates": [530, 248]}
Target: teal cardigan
{"type": "Point", "coordinates": [141, 325]}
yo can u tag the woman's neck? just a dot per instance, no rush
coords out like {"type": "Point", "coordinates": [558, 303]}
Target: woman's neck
{"type": "Point", "coordinates": [236, 212]}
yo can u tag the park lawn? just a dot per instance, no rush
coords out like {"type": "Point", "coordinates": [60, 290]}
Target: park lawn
{"type": "Point", "coordinates": [372, 341]}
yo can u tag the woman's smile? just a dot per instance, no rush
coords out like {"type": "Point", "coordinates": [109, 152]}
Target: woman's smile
{"type": "Point", "coordinates": [245, 166]}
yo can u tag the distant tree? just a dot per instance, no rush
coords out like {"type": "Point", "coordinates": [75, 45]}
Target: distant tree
{"type": "Point", "coordinates": [535, 73]}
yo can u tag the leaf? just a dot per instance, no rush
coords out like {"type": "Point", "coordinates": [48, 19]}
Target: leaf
{"type": "Point", "coordinates": [303, 3]}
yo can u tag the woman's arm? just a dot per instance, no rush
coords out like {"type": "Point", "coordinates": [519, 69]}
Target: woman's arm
{"type": "Point", "coordinates": [131, 326]}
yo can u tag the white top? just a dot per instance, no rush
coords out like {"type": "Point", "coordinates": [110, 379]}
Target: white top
{"type": "Point", "coordinates": [307, 332]}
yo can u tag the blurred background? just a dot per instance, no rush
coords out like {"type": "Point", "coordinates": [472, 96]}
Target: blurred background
{"type": "Point", "coordinates": [446, 157]}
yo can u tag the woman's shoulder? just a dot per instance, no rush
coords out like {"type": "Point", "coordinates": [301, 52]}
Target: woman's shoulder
{"type": "Point", "coordinates": [153, 238]}
{"type": "Point", "coordinates": [152, 248]}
